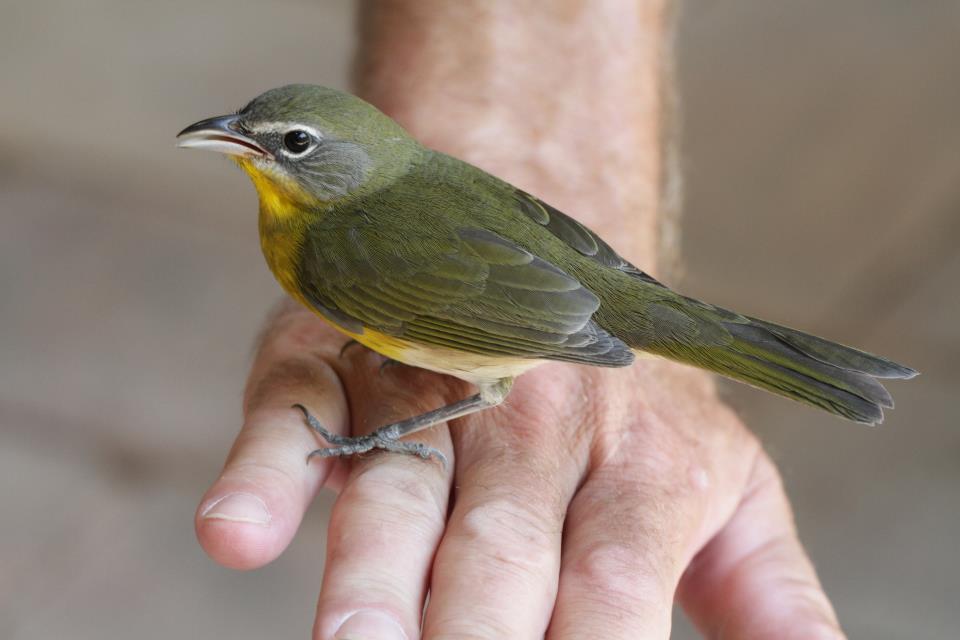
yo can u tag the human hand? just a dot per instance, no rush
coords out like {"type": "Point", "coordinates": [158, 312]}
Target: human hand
{"type": "Point", "coordinates": [579, 509]}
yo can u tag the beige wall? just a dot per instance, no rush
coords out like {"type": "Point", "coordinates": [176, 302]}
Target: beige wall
{"type": "Point", "coordinates": [822, 158]}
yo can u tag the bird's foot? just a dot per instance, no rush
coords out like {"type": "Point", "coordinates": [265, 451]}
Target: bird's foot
{"type": "Point", "coordinates": [386, 438]}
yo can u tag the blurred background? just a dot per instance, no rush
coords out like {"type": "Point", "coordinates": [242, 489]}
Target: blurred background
{"type": "Point", "coordinates": [822, 163]}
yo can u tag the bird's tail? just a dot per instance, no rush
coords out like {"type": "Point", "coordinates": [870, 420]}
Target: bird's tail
{"type": "Point", "coordinates": [827, 375]}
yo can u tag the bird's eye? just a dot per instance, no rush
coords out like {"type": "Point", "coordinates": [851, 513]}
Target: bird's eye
{"type": "Point", "coordinates": [296, 141]}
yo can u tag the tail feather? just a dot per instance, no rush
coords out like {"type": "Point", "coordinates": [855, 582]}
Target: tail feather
{"type": "Point", "coordinates": [824, 374]}
{"type": "Point", "coordinates": [767, 346]}
{"type": "Point", "coordinates": [837, 354]}
{"type": "Point", "coordinates": [792, 384]}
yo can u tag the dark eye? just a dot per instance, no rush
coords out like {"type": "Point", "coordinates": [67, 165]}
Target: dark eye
{"type": "Point", "coordinates": [296, 141]}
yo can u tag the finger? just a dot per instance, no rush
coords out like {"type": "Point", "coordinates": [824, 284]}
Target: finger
{"type": "Point", "coordinates": [390, 515]}
{"type": "Point", "coordinates": [621, 552]}
{"type": "Point", "coordinates": [634, 524]}
{"type": "Point", "coordinates": [253, 509]}
{"type": "Point", "coordinates": [495, 574]}
{"type": "Point", "coordinates": [753, 580]}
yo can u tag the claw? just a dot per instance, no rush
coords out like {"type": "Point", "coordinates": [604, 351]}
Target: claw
{"type": "Point", "coordinates": [334, 452]}
{"type": "Point", "coordinates": [363, 444]}
{"type": "Point", "coordinates": [345, 446]}
{"type": "Point", "coordinates": [314, 424]}
{"type": "Point", "coordinates": [386, 438]}
{"type": "Point", "coordinates": [346, 345]}
{"type": "Point", "coordinates": [389, 362]}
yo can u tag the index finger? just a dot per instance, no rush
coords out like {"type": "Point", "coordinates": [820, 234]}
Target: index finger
{"type": "Point", "coordinates": [252, 511]}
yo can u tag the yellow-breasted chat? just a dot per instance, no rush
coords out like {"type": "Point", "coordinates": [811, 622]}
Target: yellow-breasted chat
{"type": "Point", "coordinates": [438, 264]}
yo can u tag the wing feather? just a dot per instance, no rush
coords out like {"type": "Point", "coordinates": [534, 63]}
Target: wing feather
{"type": "Point", "coordinates": [577, 236]}
{"type": "Point", "coordinates": [473, 290]}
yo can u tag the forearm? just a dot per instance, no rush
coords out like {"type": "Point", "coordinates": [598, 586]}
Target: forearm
{"type": "Point", "coordinates": [566, 103]}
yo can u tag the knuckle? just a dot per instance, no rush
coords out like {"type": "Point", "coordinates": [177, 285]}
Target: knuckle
{"type": "Point", "coordinates": [765, 473]}
{"type": "Point", "coordinates": [398, 487]}
{"type": "Point", "coordinates": [383, 505]}
{"type": "Point", "coordinates": [550, 410]}
{"type": "Point", "coordinates": [614, 572]}
{"type": "Point", "coordinates": [519, 538]}
{"type": "Point", "coordinates": [764, 485]}
{"type": "Point", "coordinates": [271, 478]}
{"type": "Point", "coordinates": [287, 375]}
{"type": "Point", "coordinates": [292, 328]}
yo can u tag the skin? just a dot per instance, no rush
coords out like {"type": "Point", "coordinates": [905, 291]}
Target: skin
{"type": "Point", "coordinates": [620, 490]}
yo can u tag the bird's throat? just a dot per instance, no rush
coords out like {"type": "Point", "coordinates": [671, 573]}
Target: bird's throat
{"type": "Point", "coordinates": [282, 224]}
{"type": "Point", "coordinates": [279, 196]}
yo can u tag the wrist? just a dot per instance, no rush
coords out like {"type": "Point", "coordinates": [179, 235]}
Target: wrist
{"type": "Point", "coordinates": [572, 114]}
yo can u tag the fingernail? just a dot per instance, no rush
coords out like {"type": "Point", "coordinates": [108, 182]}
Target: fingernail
{"type": "Point", "coordinates": [370, 625]}
{"type": "Point", "coordinates": [238, 507]}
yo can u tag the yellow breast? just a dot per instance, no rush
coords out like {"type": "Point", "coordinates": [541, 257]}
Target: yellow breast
{"type": "Point", "coordinates": [282, 225]}
{"type": "Point", "coordinates": [282, 229]}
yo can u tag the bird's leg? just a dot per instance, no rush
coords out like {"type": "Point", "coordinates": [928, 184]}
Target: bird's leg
{"type": "Point", "coordinates": [388, 437]}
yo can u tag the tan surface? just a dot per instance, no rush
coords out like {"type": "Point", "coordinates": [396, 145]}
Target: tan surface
{"type": "Point", "coordinates": [823, 188]}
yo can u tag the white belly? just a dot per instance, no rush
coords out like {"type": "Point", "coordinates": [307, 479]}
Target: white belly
{"type": "Point", "coordinates": [472, 367]}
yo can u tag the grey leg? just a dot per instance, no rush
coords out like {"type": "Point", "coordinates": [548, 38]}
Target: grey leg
{"type": "Point", "coordinates": [387, 437]}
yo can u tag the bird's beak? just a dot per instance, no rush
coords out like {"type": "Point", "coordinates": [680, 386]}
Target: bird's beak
{"type": "Point", "coordinates": [221, 134]}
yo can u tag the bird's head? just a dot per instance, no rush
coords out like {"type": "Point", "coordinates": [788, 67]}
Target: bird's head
{"type": "Point", "coordinates": [306, 146]}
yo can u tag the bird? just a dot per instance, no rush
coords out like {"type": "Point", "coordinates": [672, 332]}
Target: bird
{"type": "Point", "coordinates": [438, 264]}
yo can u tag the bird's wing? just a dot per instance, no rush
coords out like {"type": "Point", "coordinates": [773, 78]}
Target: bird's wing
{"type": "Point", "coordinates": [465, 288]}
{"type": "Point", "coordinates": [576, 236]}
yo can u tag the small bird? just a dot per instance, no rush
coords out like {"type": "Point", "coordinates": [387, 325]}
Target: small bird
{"type": "Point", "coordinates": [437, 264]}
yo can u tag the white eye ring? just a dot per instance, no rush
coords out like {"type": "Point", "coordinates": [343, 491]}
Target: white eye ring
{"type": "Point", "coordinates": [313, 138]}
